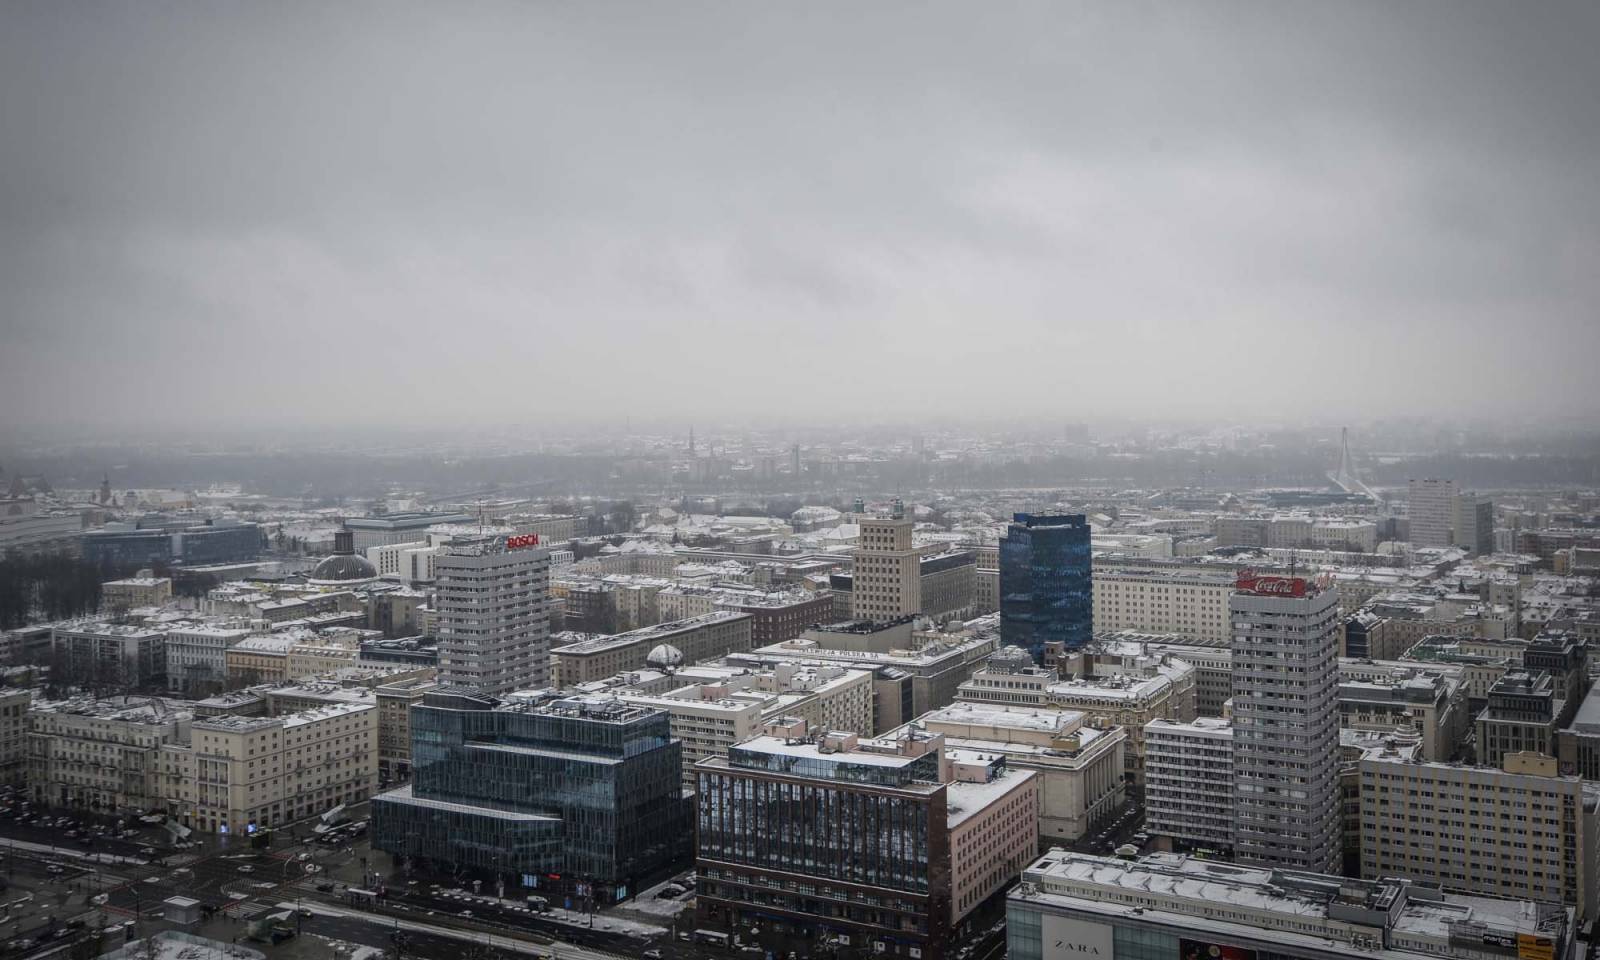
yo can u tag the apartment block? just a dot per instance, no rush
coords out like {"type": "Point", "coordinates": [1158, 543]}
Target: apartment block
{"type": "Point", "coordinates": [1189, 782]}
{"type": "Point", "coordinates": [492, 597]}
{"type": "Point", "coordinates": [112, 654]}
{"type": "Point", "coordinates": [132, 592]}
{"type": "Point", "coordinates": [1431, 508]}
{"type": "Point", "coordinates": [197, 662]}
{"type": "Point", "coordinates": [237, 774]}
{"type": "Point", "coordinates": [1286, 722]}
{"type": "Point", "coordinates": [1192, 604]}
{"type": "Point", "coordinates": [1521, 831]}
{"type": "Point", "coordinates": [101, 754]}
{"type": "Point", "coordinates": [14, 735]}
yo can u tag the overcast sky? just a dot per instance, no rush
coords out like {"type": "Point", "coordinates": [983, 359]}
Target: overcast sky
{"type": "Point", "coordinates": [348, 213]}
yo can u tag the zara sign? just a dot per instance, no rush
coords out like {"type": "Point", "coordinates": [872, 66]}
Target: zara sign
{"type": "Point", "coordinates": [1067, 938]}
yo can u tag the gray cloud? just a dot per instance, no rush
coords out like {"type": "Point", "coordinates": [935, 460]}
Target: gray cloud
{"type": "Point", "coordinates": [235, 212]}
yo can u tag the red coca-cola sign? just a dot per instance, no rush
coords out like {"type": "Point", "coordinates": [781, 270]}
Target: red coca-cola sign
{"type": "Point", "coordinates": [1250, 582]}
{"type": "Point", "coordinates": [524, 540]}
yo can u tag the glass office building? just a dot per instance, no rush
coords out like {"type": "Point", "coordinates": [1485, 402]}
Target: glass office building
{"type": "Point", "coordinates": [812, 841]}
{"type": "Point", "coordinates": [1046, 583]}
{"type": "Point", "coordinates": [545, 792]}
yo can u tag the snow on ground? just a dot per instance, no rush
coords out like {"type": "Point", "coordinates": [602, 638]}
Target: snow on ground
{"type": "Point", "coordinates": [351, 951]}
{"type": "Point", "coordinates": [603, 920]}
{"type": "Point", "coordinates": [8, 843]}
{"type": "Point", "coordinates": [649, 905]}
{"type": "Point", "coordinates": [176, 945]}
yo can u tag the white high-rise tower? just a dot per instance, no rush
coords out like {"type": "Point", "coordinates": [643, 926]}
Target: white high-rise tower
{"type": "Point", "coordinates": [1431, 512]}
{"type": "Point", "coordinates": [492, 596]}
{"type": "Point", "coordinates": [1286, 723]}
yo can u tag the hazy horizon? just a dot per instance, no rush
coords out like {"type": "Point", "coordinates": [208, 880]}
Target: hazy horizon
{"type": "Point", "coordinates": [440, 216]}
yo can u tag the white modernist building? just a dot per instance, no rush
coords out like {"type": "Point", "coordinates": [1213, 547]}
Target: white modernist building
{"type": "Point", "coordinates": [492, 601]}
{"type": "Point", "coordinates": [1286, 723]}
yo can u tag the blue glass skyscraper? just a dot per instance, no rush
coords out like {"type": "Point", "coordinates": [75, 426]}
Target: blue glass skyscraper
{"type": "Point", "coordinates": [1046, 587]}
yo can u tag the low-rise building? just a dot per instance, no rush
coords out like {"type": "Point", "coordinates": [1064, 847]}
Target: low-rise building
{"type": "Point", "coordinates": [1482, 663]}
{"type": "Point", "coordinates": [1079, 766]}
{"type": "Point", "coordinates": [714, 707]}
{"type": "Point", "coordinates": [131, 592]}
{"type": "Point", "coordinates": [111, 655]}
{"type": "Point", "coordinates": [197, 662]}
{"type": "Point", "coordinates": [1167, 905]}
{"type": "Point", "coordinates": [238, 774]}
{"type": "Point", "coordinates": [1129, 694]}
{"type": "Point", "coordinates": [85, 753]}
{"type": "Point", "coordinates": [1213, 665]}
{"type": "Point", "coordinates": [1520, 717]}
{"type": "Point", "coordinates": [700, 638]}
{"type": "Point", "coordinates": [322, 652]}
{"type": "Point", "coordinates": [263, 658]}
{"type": "Point", "coordinates": [1394, 697]}
{"type": "Point", "coordinates": [912, 672]}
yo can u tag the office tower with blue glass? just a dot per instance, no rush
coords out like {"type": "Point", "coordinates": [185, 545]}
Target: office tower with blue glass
{"type": "Point", "coordinates": [560, 795]}
{"type": "Point", "coordinates": [1046, 586]}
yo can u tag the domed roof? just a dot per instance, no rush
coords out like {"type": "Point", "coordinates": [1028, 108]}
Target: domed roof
{"type": "Point", "coordinates": [665, 657]}
{"type": "Point", "coordinates": [343, 567]}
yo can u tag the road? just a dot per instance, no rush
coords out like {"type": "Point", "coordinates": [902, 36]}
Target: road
{"type": "Point", "coordinates": [57, 894]}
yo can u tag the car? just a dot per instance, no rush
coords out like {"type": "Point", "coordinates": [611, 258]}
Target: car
{"type": "Point", "coordinates": [305, 913]}
{"type": "Point", "coordinates": [467, 914]}
{"type": "Point", "coordinates": [668, 893]}
{"type": "Point", "coordinates": [651, 954]}
{"type": "Point", "coordinates": [246, 868]}
{"type": "Point", "coordinates": [324, 887]}
{"type": "Point", "coordinates": [56, 868]}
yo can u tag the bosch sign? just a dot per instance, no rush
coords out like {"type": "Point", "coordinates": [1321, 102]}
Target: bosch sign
{"type": "Point", "coordinates": [525, 540]}
{"type": "Point", "coordinates": [1249, 582]}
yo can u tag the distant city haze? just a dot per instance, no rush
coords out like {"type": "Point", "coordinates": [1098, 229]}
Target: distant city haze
{"type": "Point", "coordinates": [466, 214]}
